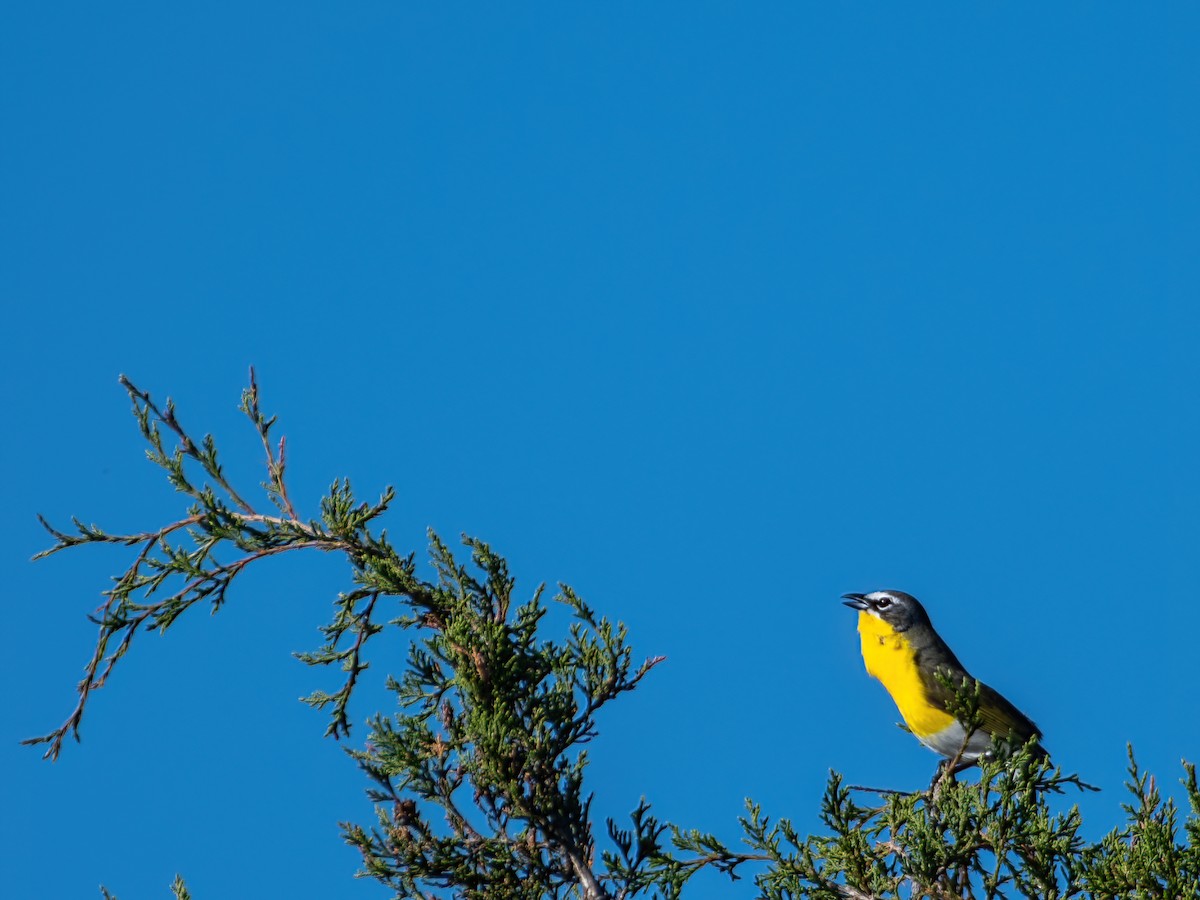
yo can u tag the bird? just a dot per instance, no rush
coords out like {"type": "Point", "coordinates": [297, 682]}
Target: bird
{"type": "Point", "coordinates": [901, 648]}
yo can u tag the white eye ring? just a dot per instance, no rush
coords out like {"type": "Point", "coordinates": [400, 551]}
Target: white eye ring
{"type": "Point", "coordinates": [883, 602]}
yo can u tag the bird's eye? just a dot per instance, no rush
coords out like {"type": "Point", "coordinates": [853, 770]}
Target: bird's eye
{"type": "Point", "coordinates": [883, 602]}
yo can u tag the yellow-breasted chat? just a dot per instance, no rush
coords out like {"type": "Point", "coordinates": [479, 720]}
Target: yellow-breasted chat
{"type": "Point", "coordinates": [901, 648]}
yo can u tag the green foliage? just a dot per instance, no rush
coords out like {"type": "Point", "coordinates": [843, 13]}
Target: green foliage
{"type": "Point", "coordinates": [997, 837]}
{"type": "Point", "coordinates": [1145, 859]}
{"type": "Point", "coordinates": [994, 838]}
{"type": "Point", "coordinates": [482, 768]}
{"type": "Point", "coordinates": [478, 782]}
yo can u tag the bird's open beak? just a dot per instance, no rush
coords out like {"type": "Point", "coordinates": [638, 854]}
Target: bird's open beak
{"type": "Point", "coordinates": [856, 601]}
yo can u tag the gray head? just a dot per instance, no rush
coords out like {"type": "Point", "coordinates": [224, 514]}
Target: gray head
{"type": "Point", "coordinates": [900, 610]}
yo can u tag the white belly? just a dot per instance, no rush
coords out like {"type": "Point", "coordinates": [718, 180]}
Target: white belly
{"type": "Point", "coordinates": [949, 741]}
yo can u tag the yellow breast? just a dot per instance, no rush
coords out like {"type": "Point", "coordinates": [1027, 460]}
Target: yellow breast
{"type": "Point", "coordinates": [890, 658]}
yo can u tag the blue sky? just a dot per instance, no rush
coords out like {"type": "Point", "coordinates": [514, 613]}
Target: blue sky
{"type": "Point", "coordinates": [714, 312]}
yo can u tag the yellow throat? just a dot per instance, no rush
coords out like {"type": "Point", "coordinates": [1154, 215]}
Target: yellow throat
{"type": "Point", "coordinates": [891, 659]}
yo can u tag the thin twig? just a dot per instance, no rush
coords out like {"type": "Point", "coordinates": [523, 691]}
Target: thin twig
{"type": "Point", "coordinates": [276, 462]}
{"type": "Point", "coordinates": [186, 443]}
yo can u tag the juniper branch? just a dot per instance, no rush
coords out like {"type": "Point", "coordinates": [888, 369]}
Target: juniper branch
{"type": "Point", "coordinates": [138, 598]}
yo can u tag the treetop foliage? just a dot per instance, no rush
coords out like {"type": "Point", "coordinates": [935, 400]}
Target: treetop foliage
{"type": "Point", "coordinates": [478, 783]}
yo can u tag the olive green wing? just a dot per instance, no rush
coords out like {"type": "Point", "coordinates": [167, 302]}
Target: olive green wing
{"type": "Point", "coordinates": [999, 717]}
{"type": "Point", "coordinates": [1004, 720]}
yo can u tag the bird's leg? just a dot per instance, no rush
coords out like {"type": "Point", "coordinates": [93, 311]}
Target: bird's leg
{"type": "Point", "coordinates": [943, 771]}
{"type": "Point", "coordinates": [946, 771]}
{"type": "Point", "coordinates": [951, 767]}
{"type": "Point", "coordinates": [948, 768]}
